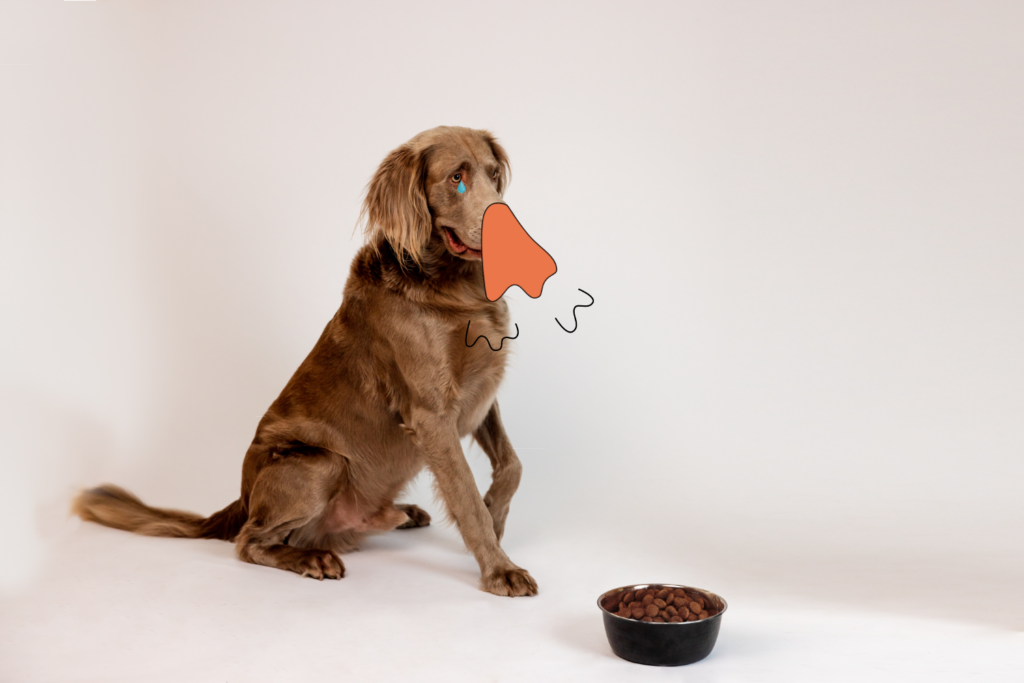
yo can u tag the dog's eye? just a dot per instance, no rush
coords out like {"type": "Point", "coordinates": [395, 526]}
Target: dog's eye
{"type": "Point", "coordinates": [457, 177]}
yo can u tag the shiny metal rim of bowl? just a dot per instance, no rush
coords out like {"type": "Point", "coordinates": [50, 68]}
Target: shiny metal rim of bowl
{"type": "Point", "coordinates": [638, 586]}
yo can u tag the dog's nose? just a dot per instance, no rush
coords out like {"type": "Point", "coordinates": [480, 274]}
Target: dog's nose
{"type": "Point", "coordinates": [511, 257]}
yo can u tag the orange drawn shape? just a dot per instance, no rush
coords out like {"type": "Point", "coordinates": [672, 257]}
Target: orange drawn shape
{"type": "Point", "coordinates": [511, 257]}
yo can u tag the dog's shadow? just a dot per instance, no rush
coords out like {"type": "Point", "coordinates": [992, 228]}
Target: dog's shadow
{"type": "Point", "coordinates": [428, 548]}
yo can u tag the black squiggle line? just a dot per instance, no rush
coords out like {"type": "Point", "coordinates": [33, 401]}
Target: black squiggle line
{"type": "Point", "coordinates": [500, 344]}
{"type": "Point", "coordinates": [574, 314]}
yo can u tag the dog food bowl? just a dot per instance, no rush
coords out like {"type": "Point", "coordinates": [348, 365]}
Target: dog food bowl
{"type": "Point", "coordinates": [660, 643]}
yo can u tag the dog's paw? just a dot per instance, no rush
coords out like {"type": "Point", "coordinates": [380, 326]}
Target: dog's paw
{"type": "Point", "coordinates": [511, 582]}
{"type": "Point", "coordinates": [417, 516]}
{"type": "Point", "coordinates": [320, 565]}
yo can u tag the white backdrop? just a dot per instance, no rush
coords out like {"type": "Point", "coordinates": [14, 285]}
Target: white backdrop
{"type": "Point", "coordinates": [801, 222]}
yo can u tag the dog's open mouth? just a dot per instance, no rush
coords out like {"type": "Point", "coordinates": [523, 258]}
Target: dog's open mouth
{"type": "Point", "coordinates": [460, 247]}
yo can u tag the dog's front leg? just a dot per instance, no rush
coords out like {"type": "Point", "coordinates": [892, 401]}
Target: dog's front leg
{"type": "Point", "coordinates": [438, 438]}
{"type": "Point", "coordinates": [507, 470]}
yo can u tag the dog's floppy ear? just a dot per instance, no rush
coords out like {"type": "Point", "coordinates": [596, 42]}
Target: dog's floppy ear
{"type": "Point", "coordinates": [504, 168]}
{"type": "Point", "coordinates": [395, 208]}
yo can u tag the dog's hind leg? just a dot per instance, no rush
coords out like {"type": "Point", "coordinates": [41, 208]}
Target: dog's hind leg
{"type": "Point", "coordinates": [417, 516]}
{"type": "Point", "coordinates": [288, 494]}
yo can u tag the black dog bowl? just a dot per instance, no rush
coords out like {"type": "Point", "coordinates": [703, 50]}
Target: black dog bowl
{"type": "Point", "coordinates": [661, 643]}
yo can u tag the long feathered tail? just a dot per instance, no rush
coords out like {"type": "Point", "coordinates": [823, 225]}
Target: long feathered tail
{"type": "Point", "coordinates": [112, 506]}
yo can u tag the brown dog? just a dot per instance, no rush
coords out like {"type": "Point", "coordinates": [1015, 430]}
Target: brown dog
{"type": "Point", "coordinates": [389, 388]}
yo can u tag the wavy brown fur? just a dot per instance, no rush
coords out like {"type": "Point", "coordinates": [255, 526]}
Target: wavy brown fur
{"type": "Point", "coordinates": [112, 506]}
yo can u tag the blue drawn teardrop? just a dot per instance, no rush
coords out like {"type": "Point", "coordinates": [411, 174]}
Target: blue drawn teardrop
{"type": "Point", "coordinates": [462, 187]}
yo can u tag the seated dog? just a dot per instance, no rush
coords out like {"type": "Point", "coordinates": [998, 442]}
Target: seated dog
{"type": "Point", "coordinates": [390, 387]}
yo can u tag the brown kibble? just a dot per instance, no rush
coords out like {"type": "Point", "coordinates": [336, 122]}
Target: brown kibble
{"type": "Point", "coordinates": [662, 604]}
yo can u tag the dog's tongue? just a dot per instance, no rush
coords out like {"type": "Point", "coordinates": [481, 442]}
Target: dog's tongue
{"type": "Point", "coordinates": [511, 257]}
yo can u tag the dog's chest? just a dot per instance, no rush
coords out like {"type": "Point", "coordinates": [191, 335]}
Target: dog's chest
{"type": "Point", "coordinates": [482, 368]}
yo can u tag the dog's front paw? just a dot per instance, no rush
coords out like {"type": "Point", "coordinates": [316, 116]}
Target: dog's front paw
{"type": "Point", "coordinates": [321, 564]}
{"type": "Point", "coordinates": [510, 581]}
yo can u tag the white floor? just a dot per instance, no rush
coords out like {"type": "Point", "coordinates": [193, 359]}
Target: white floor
{"type": "Point", "coordinates": [110, 606]}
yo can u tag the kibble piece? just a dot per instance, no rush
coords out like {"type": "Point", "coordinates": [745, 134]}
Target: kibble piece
{"type": "Point", "coordinates": [695, 606]}
{"type": "Point", "coordinates": [678, 592]}
{"type": "Point", "coordinates": [658, 619]}
{"type": "Point", "coordinates": [640, 594]}
{"type": "Point", "coordinates": [622, 605]}
{"type": "Point", "coordinates": [647, 619]}
{"type": "Point", "coordinates": [659, 602]}
{"type": "Point", "coordinates": [672, 611]}
{"type": "Point", "coordinates": [692, 617]}
{"type": "Point", "coordinates": [648, 599]}
{"type": "Point", "coordinates": [637, 612]}
{"type": "Point", "coordinates": [684, 612]}
{"type": "Point", "coordinates": [662, 593]}
{"type": "Point", "coordinates": [681, 603]}
{"type": "Point", "coordinates": [703, 615]}
{"type": "Point", "coordinates": [629, 597]}
{"type": "Point", "coordinates": [652, 611]}
{"type": "Point", "coordinates": [676, 620]}
{"type": "Point", "coordinates": [663, 614]}
{"type": "Point", "coordinates": [712, 612]}
{"type": "Point", "coordinates": [624, 612]}
{"type": "Point", "coordinates": [699, 599]}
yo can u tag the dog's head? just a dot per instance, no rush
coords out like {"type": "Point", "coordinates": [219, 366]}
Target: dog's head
{"type": "Point", "coordinates": [433, 191]}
